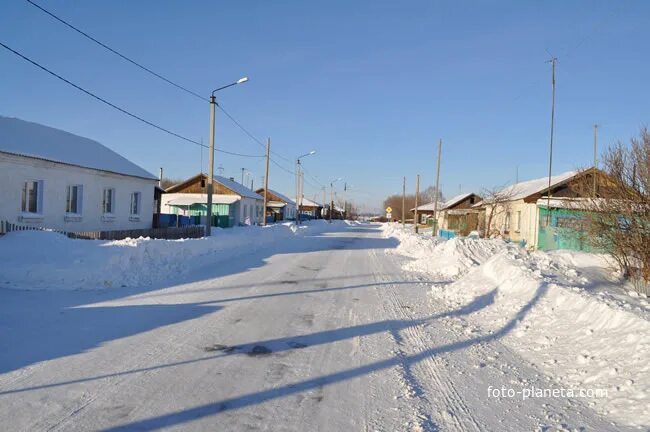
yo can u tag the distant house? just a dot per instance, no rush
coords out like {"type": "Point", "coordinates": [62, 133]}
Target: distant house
{"type": "Point", "coordinates": [53, 179]}
{"type": "Point", "coordinates": [455, 216]}
{"type": "Point", "coordinates": [518, 218]}
{"type": "Point", "coordinates": [278, 207]}
{"type": "Point", "coordinates": [232, 203]}
{"type": "Point", "coordinates": [311, 208]}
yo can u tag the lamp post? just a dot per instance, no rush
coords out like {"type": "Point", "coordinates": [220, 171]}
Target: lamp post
{"type": "Point", "coordinates": [299, 184]}
{"type": "Point", "coordinates": [332, 198]}
{"type": "Point", "coordinates": [213, 107]}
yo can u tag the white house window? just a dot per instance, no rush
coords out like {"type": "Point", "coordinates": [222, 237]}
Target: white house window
{"type": "Point", "coordinates": [519, 221]}
{"type": "Point", "coordinates": [32, 198]}
{"type": "Point", "coordinates": [74, 195]}
{"type": "Point", "coordinates": [108, 202]}
{"type": "Point", "coordinates": [507, 222]}
{"type": "Point", "coordinates": [135, 203]}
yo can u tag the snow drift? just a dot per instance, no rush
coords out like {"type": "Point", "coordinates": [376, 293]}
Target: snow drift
{"type": "Point", "coordinates": [47, 260]}
{"type": "Point", "coordinates": [561, 311]}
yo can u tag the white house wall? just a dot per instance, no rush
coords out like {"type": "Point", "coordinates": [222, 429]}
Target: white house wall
{"type": "Point", "coordinates": [528, 229]}
{"type": "Point", "coordinates": [56, 177]}
{"type": "Point", "coordinates": [249, 207]}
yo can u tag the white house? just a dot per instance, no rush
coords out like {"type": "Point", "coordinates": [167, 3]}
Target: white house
{"type": "Point", "coordinates": [232, 203]}
{"type": "Point", "coordinates": [517, 217]}
{"type": "Point", "coordinates": [279, 206]}
{"type": "Point", "coordinates": [53, 179]}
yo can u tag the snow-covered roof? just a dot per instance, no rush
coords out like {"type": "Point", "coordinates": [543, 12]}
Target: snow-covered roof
{"type": "Point", "coordinates": [276, 204]}
{"type": "Point", "coordinates": [238, 188]}
{"type": "Point", "coordinates": [524, 189]}
{"type": "Point", "coordinates": [186, 199]}
{"type": "Point", "coordinates": [455, 200]}
{"type": "Point", "coordinates": [309, 203]}
{"type": "Point", "coordinates": [284, 198]}
{"type": "Point", "coordinates": [443, 205]}
{"type": "Point", "coordinates": [35, 140]}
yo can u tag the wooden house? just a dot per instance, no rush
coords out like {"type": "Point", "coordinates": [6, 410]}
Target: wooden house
{"type": "Point", "coordinates": [279, 207]}
{"type": "Point", "coordinates": [232, 203]}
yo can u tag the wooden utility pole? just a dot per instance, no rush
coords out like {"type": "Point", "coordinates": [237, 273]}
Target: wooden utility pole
{"type": "Point", "coordinates": [266, 179]}
{"type": "Point", "coordinates": [595, 156]}
{"type": "Point", "coordinates": [553, 62]}
{"type": "Point", "coordinates": [417, 192]}
{"type": "Point", "coordinates": [403, 201]}
{"type": "Point", "coordinates": [435, 199]}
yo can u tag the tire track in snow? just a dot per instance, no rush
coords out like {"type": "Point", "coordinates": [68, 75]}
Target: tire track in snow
{"type": "Point", "coordinates": [415, 341]}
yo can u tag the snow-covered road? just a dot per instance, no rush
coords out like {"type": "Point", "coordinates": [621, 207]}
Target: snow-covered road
{"type": "Point", "coordinates": [322, 332]}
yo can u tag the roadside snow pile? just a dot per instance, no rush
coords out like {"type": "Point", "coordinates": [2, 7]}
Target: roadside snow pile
{"type": "Point", "coordinates": [563, 313]}
{"type": "Point", "coordinates": [447, 258]}
{"type": "Point", "coordinates": [47, 260]}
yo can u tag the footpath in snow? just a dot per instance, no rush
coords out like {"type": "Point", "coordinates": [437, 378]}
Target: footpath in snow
{"type": "Point", "coordinates": [34, 260]}
{"type": "Point", "coordinates": [564, 312]}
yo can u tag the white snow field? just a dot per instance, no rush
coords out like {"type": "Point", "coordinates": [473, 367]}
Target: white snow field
{"type": "Point", "coordinates": [329, 330]}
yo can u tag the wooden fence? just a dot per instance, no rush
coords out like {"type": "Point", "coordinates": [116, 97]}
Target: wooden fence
{"type": "Point", "coordinates": [169, 233]}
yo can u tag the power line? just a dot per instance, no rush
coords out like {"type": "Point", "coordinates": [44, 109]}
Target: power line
{"type": "Point", "coordinates": [159, 76]}
{"type": "Point", "coordinates": [103, 45]}
{"type": "Point", "coordinates": [112, 105]}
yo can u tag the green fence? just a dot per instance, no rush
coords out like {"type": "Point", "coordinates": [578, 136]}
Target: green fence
{"type": "Point", "coordinates": [562, 229]}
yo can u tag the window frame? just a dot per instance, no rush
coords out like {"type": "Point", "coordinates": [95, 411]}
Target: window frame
{"type": "Point", "coordinates": [138, 204]}
{"type": "Point", "coordinates": [38, 201]}
{"type": "Point", "coordinates": [79, 200]}
{"type": "Point", "coordinates": [112, 202]}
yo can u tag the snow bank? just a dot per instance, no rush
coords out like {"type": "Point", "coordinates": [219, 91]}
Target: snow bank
{"type": "Point", "coordinates": [561, 311]}
{"type": "Point", "coordinates": [47, 260]}
{"type": "Point", "coordinates": [435, 255]}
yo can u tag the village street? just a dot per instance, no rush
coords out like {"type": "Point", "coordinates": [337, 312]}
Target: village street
{"type": "Point", "coordinates": [326, 332]}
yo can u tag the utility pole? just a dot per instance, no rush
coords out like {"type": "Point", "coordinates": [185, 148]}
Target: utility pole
{"type": "Point", "coordinates": [324, 197]}
{"type": "Point", "coordinates": [208, 214]}
{"type": "Point", "coordinates": [595, 156]}
{"type": "Point", "coordinates": [345, 200]}
{"type": "Point", "coordinates": [517, 174]}
{"type": "Point", "coordinates": [435, 198]}
{"type": "Point", "coordinates": [331, 201]}
{"type": "Point", "coordinates": [213, 105]}
{"type": "Point", "coordinates": [266, 179]}
{"type": "Point", "coordinates": [298, 192]}
{"type": "Point", "coordinates": [417, 192]}
{"type": "Point", "coordinates": [403, 201]}
{"type": "Point", "coordinates": [553, 62]}
{"type": "Point", "coordinates": [160, 179]}
{"type": "Point", "coordinates": [242, 175]}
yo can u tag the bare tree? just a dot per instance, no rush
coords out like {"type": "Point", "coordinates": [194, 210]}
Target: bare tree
{"type": "Point", "coordinates": [619, 213]}
{"type": "Point", "coordinates": [168, 182]}
{"type": "Point", "coordinates": [429, 195]}
{"type": "Point", "coordinates": [395, 202]}
{"type": "Point", "coordinates": [497, 202]}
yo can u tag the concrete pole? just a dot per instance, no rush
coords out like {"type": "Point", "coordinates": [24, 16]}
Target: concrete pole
{"type": "Point", "coordinates": [550, 159]}
{"type": "Point", "coordinates": [331, 201]}
{"type": "Point", "coordinates": [208, 215]}
{"type": "Point", "coordinates": [403, 201]}
{"type": "Point", "coordinates": [595, 156]}
{"type": "Point", "coordinates": [266, 180]}
{"type": "Point", "coordinates": [417, 193]}
{"type": "Point", "coordinates": [161, 176]}
{"type": "Point", "coordinates": [435, 198]}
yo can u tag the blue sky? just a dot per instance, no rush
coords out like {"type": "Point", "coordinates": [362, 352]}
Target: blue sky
{"type": "Point", "coordinates": [370, 85]}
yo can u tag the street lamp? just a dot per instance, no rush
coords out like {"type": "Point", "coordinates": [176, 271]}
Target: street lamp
{"type": "Point", "coordinates": [332, 197]}
{"type": "Point", "coordinates": [299, 185]}
{"type": "Point", "coordinates": [213, 107]}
